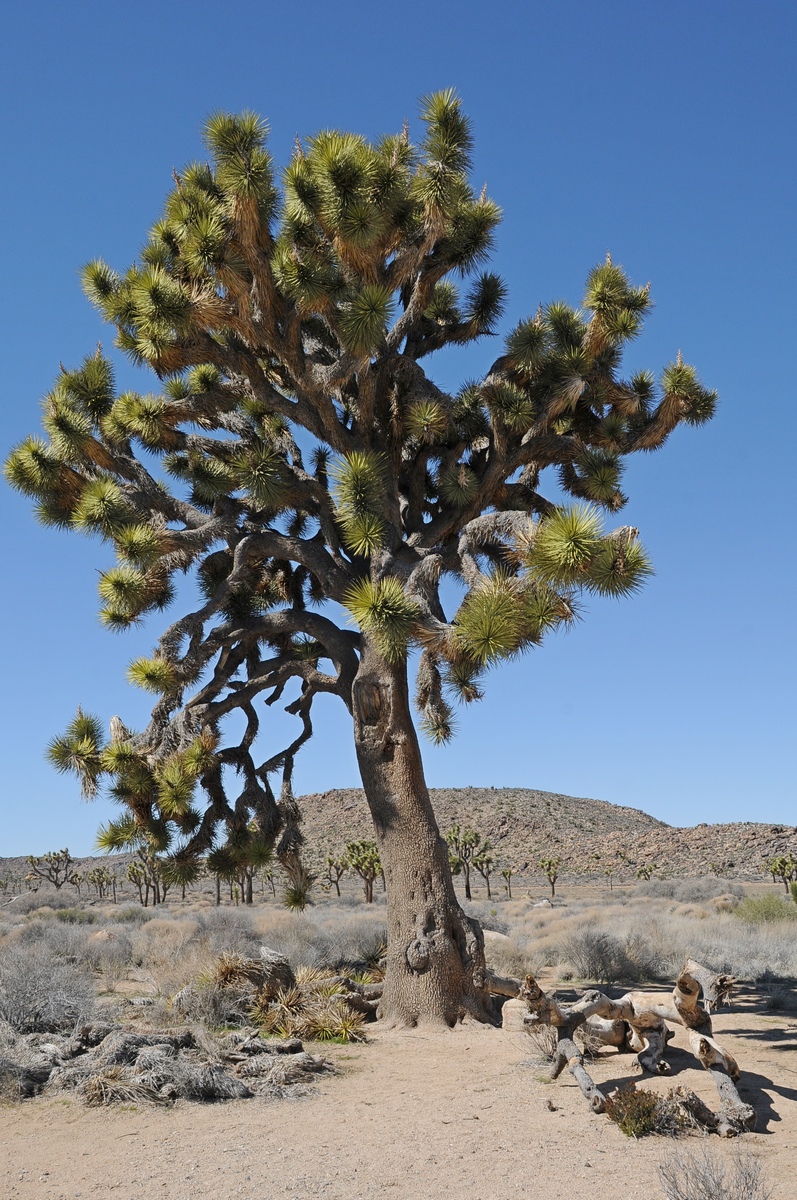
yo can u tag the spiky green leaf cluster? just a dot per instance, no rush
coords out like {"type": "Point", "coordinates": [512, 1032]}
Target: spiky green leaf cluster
{"type": "Point", "coordinates": [359, 490]}
{"type": "Point", "coordinates": [571, 550]}
{"type": "Point", "coordinates": [382, 609]}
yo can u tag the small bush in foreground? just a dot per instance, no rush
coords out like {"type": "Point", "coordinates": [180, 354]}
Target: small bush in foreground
{"type": "Point", "coordinates": [638, 1112]}
{"type": "Point", "coordinates": [701, 1175]}
{"type": "Point", "coordinates": [40, 994]}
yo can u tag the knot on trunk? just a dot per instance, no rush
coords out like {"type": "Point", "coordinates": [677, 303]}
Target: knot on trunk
{"type": "Point", "coordinates": [369, 701]}
{"type": "Point", "coordinates": [418, 955]}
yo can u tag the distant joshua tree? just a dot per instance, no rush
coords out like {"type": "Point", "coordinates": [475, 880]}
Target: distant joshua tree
{"type": "Point", "coordinates": [334, 870]}
{"type": "Point", "coordinates": [550, 868]}
{"type": "Point", "coordinates": [57, 867]}
{"type": "Point", "coordinates": [363, 857]}
{"type": "Point", "coordinates": [784, 868]}
{"type": "Point", "coordinates": [484, 863]}
{"type": "Point", "coordinates": [506, 875]}
{"type": "Point", "coordinates": [464, 847]}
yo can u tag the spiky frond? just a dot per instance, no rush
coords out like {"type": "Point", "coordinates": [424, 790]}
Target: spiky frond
{"type": "Point", "coordinates": [153, 675]}
{"type": "Point", "coordinates": [619, 569]}
{"type": "Point", "coordinates": [382, 609]}
{"type": "Point", "coordinates": [365, 318]}
{"type": "Point", "coordinates": [565, 545]}
{"type": "Point", "coordinates": [358, 497]}
{"type": "Point", "coordinates": [490, 622]}
{"type": "Point", "coordinates": [122, 834]}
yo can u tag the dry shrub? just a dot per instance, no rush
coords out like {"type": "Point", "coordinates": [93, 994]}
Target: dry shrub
{"type": "Point", "coordinates": [777, 992]}
{"type": "Point", "coordinates": [638, 1112]}
{"type": "Point", "coordinates": [689, 890]}
{"type": "Point", "coordinates": [40, 994]}
{"type": "Point", "coordinates": [597, 954]}
{"type": "Point", "coordinates": [766, 909]}
{"type": "Point", "coordinates": [332, 936]}
{"type": "Point", "coordinates": [170, 951]}
{"type": "Point", "coordinates": [702, 1175]}
{"type": "Point", "coordinates": [544, 1040]}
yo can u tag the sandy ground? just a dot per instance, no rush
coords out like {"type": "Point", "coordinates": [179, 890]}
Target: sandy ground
{"type": "Point", "coordinates": [426, 1114]}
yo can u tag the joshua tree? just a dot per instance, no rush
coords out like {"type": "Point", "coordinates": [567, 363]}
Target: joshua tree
{"type": "Point", "coordinates": [102, 880]}
{"type": "Point", "coordinates": [152, 875]}
{"type": "Point", "coordinates": [334, 870]}
{"type": "Point", "coordinates": [484, 862]}
{"type": "Point", "coordinates": [363, 857]}
{"type": "Point", "coordinates": [314, 462]}
{"type": "Point", "coordinates": [57, 867]}
{"type": "Point", "coordinates": [784, 868]}
{"type": "Point", "coordinates": [464, 847]}
{"type": "Point", "coordinates": [506, 875]}
{"type": "Point", "coordinates": [646, 871]}
{"type": "Point", "coordinates": [550, 868]}
{"type": "Point", "coordinates": [240, 859]}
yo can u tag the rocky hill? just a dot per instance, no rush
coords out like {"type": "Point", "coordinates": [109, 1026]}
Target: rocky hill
{"type": "Point", "coordinates": [590, 836]}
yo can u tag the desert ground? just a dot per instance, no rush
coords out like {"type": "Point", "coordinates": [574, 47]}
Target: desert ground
{"type": "Point", "coordinates": [419, 1113]}
{"type": "Point", "coordinates": [411, 1113]}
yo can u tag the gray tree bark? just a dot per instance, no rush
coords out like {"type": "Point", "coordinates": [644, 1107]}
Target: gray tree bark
{"type": "Point", "coordinates": [435, 958]}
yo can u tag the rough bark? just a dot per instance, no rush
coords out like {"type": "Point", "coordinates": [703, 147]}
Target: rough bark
{"type": "Point", "coordinates": [435, 967]}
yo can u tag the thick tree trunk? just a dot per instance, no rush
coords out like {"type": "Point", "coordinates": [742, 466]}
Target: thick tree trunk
{"type": "Point", "coordinates": [435, 955]}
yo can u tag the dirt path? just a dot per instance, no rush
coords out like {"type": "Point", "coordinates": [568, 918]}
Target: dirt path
{"type": "Point", "coordinates": [427, 1115]}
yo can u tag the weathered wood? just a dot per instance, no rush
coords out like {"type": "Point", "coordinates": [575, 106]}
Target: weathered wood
{"type": "Point", "coordinates": [570, 1056]}
{"type": "Point", "coordinates": [608, 1033]}
{"type": "Point", "coordinates": [501, 985]}
{"type": "Point", "coordinates": [644, 1015]}
{"type": "Point", "coordinates": [716, 988]}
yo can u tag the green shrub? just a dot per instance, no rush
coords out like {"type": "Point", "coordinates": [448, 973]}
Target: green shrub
{"type": "Point", "coordinates": [764, 909]}
{"type": "Point", "coordinates": [76, 916]}
{"type": "Point", "coordinates": [639, 1112]}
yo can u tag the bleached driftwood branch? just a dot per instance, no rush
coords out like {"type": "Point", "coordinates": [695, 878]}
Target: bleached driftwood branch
{"type": "Point", "coordinates": [645, 1016]}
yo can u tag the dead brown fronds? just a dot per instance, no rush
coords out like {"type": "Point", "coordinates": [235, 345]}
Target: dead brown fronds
{"type": "Point", "coordinates": [114, 1086]}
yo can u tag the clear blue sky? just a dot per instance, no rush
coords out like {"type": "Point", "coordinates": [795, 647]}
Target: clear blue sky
{"type": "Point", "coordinates": [664, 132]}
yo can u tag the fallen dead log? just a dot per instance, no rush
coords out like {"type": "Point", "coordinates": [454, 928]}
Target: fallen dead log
{"type": "Point", "coordinates": [645, 1015]}
{"type": "Point", "coordinates": [501, 985]}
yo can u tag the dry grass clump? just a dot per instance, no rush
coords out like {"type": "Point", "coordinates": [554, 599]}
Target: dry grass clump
{"type": "Point", "coordinates": [545, 1042]}
{"type": "Point", "coordinates": [703, 1175]}
{"type": "Point", "coordinates": [114, 1086]}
